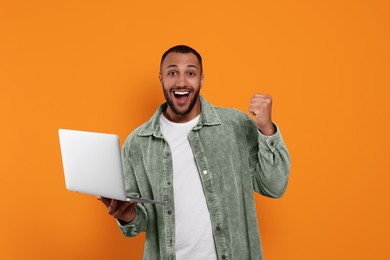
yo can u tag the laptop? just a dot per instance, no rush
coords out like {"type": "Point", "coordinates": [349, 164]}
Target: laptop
{"type": "Point", "coordinates": [92, 165]}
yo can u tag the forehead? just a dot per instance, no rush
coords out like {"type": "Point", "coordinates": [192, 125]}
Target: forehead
{"type": "Point", "coordinates": [174, 59]}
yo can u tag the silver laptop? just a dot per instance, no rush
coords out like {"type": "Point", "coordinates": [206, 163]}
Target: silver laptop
{"type": "Point", "coordinates": [92, 164]}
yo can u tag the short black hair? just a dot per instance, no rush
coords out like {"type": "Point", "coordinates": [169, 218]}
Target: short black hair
{"type": "Point", "coordinates": [183, 49]}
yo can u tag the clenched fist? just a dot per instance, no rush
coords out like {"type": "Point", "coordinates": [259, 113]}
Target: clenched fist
{"type": "Point", "coordinates": [261, 108]}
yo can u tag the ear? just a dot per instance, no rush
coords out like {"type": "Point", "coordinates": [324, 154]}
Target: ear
{"type": "Point", "coordinates": [159, 76]}
{"type": "Point", "coordinates": [201, 80]}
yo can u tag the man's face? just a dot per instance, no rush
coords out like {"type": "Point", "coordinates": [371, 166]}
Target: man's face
{"type": "Point", "coordinates": [181, 79]}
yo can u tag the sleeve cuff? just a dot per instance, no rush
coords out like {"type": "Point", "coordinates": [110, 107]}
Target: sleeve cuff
{"type": "Point", "coordinates": [271, 142]}
{"type": "Point", "coordinates": [131, 228]}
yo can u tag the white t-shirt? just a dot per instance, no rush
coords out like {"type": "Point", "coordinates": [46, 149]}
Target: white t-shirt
{"type": "Point", "coordinates": [194, 237]}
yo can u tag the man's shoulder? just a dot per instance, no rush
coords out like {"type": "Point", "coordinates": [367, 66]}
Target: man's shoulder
{"type": "Point", "coordinates": [231, 114]}
{"type": "Point", "coordinates": [133, 136]}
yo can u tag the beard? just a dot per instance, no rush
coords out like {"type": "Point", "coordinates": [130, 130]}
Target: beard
{"type": "Point", "coordinates": [175, 108]}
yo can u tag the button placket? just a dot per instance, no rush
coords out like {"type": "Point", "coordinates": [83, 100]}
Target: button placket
{"type": "Point", "coordinates": [168, 189]}
{"type": "Point", "coordinates": [211, 197]}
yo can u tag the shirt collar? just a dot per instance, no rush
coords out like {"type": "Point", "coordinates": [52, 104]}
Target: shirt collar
{"type": "Point", "coordinates": [208, 117]}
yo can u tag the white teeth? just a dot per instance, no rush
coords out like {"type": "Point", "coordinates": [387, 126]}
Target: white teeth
{"type": "Point", "coordinates": [181, 92]}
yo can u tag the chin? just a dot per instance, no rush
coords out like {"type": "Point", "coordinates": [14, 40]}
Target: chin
{"type": "Point", "coordinates": [181, 111]}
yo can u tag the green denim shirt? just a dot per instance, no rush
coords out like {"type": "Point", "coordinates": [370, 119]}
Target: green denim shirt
{"type": "Point", "coordinates": [233, 158]}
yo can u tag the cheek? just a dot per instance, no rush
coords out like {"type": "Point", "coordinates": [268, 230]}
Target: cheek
{"type": "Point", "coordinates": [165, 88]}
{"type": "Point", "coordinates": [164, 85]}
{"type": "Point", "coordinates": [167, 83]}
{"type": "Point", "coordinates": [195, 82]}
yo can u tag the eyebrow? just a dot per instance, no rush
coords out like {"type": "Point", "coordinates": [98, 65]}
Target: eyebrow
{"type": "Point", "coordinates": [175, 66]}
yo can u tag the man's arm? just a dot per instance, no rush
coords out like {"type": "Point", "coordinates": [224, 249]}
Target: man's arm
{"type": "Point", "coordinates": [270, 161]}
{"type": "Point", "coordinates": [131, 217]}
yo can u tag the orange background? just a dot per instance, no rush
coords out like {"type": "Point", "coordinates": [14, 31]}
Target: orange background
{"type": "Point", "coordinates": [93, 65]}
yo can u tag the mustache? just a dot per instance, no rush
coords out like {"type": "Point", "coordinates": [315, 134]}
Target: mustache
{"type": "Point", "coordinates": [181, 89]}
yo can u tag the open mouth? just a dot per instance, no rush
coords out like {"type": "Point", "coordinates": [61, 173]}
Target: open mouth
{"type": "Point", "coordinates": [181, 96]}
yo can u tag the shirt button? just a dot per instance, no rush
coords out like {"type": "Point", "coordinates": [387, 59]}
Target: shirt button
{"type": "Point", "coordinates": [218, 228]}
{"type": "Point", "coordinates": [223, 256]}
{"type": "Point", "coordinates": [169, 212]}
{"type": "Point", "coordinates": [272, 143]}
{"type": "Point", "coordinates": [205, 172]}
{"type": "Point", "coordinates": [169, 183]}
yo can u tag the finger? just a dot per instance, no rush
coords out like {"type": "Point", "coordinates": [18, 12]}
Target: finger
{"type": "Point", "coordinates": [260, 104]}
{"type": "Point", "coordinates": [254, 111]}
{"type": "Point", "coordinates": [261, 108]}
{"type": "Point", "coordinates": [105, 201]}
{"type": "Point", "coordinates": [254, 108]}
{"type": "Point", "coordinates": [123, 208]}
{"type": "Point", "coordinates": [258, 95]}
{"type": "Point", "coordinates": [257, 98]}
{"type": "Point", "coordinates": [260, 100]}
{"type": "Point", "coordinates": [112, 207]}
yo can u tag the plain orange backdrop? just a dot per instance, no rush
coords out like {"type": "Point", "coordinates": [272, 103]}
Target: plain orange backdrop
{"type": "Point", "coordinates": [93, 65]}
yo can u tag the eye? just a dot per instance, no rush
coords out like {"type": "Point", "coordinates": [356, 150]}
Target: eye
{"type": "Point", "coordinates": [191, 73]}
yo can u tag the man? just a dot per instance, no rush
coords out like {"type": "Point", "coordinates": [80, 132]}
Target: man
{"type": "Point", "coordinates": [205, 162]}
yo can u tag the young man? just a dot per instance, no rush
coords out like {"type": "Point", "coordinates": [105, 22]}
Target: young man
{"type": "Point", "coordinates": [205, 162]}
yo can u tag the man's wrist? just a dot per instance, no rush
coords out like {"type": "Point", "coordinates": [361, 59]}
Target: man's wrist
{"type": "Point", "coordinates": [268, 131]}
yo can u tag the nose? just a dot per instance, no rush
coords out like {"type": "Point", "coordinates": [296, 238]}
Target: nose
{"type": "Point", "coordinates": [181, 81]}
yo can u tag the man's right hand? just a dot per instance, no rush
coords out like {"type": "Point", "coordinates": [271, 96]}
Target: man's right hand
{"type": "Point", "coordinates": [120, 210]}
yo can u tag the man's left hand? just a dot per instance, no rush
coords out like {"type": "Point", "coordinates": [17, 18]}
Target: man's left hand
{"type": "Point", "coordinates": [261, 107]}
